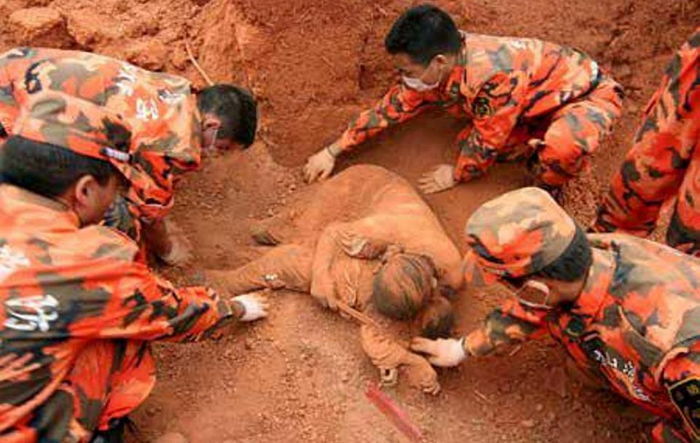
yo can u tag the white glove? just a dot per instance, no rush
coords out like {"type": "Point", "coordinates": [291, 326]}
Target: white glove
{"type": "Point", "coordinates": [439, 179]}
{"type": "Point", "coordinates": [254, 306]}
{"type": "Point", "coordinates": [443, 352]}
{"type": "Point", "coordinates": [320, 165]}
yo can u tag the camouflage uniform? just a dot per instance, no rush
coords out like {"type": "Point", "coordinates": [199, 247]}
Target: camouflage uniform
{"type": "Point", "coordinates": [511, 90]}
{"type": "Point", "coordinates": [635, 324]}
{"type": "Point", "coordinates": [76, 311]}
{"type": "Point", "coordinates": [663, 162]}
{"type": "Point", "coordinates": [159, 108]}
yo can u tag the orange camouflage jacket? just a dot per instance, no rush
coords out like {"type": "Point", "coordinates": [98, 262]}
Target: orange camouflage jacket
{"type": "Point", "coordinates": [496, 83]}
{"type": "Point", "coordinates": [636, 326]}
{"type": "Point", "coordinates": [62, 287]}
{"type": "Point", "coordinates": [160, 109]}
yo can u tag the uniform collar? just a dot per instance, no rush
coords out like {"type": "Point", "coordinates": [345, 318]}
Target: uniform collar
{"type": "Point", "coordinates": [595, 290]}
{"type": "Point", "coordinates": [10, 192]}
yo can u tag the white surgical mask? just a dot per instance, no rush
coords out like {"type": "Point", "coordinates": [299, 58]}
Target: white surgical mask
{"type": "Point", "coordinates": [417, 84]}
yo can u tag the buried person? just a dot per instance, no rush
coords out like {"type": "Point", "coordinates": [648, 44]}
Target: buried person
{"type": "Point", "coordinates": [524, 99]}
{"type": "Point", "coordinates": [389, 256]}
{"type": "Point", "coordinates": [626, 310]}
{"type": "Point", "coordinates": [77, 311]}
{"type": "Point", "coordinates": [171, 128]}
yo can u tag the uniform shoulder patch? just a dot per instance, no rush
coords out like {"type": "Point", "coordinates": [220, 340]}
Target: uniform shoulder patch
{"type": "Point", "coordinates": [685, 395]}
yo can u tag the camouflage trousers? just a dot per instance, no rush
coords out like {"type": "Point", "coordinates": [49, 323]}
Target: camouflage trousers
{"type": "Point", "coordinates": [570, 134]}
{"type": "Point", "coordinates": [109, 379]}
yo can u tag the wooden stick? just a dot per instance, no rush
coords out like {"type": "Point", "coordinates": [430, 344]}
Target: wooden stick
{"type": "Point", "coordinates": [196, 64]}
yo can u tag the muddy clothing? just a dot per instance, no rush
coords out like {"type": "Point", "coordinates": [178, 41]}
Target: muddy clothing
{"type": "Point", "coordinates": [636, 326]}
{"type": "Point", "coordinates": [72, 303]}
{"type": "Point", "coordinates": [159, 108]}
{"type": "Point", "coordinates": [511, 90]}
{"type": "Point", "coordinates": [664, 161]}
{"type": "Point", "coordinates": [392, 213]}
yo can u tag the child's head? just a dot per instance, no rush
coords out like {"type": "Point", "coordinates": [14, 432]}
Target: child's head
{"type": "Point", "coordinates": [406, 288]}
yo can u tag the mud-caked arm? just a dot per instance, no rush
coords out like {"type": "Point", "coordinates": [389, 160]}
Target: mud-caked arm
{"type": "Point", "coordinates": [387, 354]}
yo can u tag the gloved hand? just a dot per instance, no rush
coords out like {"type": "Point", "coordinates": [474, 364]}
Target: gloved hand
{"type": "Point", "coordinates": [441, 178]}
{"type": "Point", "coordinates": [254, 306]}
{"type": "Point", "coordinates": [320, 165]}
{"type": "Point", "coordinates": [443, 352]}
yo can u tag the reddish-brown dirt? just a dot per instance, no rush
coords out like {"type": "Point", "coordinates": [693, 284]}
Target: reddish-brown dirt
{"type": "Point", "coordinates": [301, 374]}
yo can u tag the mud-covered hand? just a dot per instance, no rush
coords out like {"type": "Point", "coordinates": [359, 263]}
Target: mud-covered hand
{"type": "Point", "coordinates": [179, 252]}
{"type": "Point", "coordinates": [254, 306]}
{"type": "Point", "coordinates": [443, 352]}
{"type": "Point", "coordinates": [320, 165]}
{"type": "Point", "coordinates": [420, 374]}
{"type": "Point", "coordinates": [361, 247]}
{"type": "Point", "coordinates": [441, 178]}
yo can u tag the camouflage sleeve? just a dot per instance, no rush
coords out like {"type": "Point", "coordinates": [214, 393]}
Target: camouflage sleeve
{"type": "Point", "coordinates": [681, 377]}
{"type": "Point", "coordinates": [146, 307]}
{"type": "Point", "coordinates": [496, 110]}
{"type": "Point", "coordinates": [398, 105]}
{"type": "Point", "coordinates": [655, 166]}
{"type": "Point", "coordinates": [511, 323]}
{"type": "Point", "coordinates": [8, 104]}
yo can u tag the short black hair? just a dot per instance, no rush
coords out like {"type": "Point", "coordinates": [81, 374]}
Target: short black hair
{"type": "Point", "coordinates": [573, 263]}
{"type": "Point", "coordinates": [235, 107]}
{"type": "Point", "coordinates": [47, 169]}
{"type": "Point", "coordinates": [422, 32]}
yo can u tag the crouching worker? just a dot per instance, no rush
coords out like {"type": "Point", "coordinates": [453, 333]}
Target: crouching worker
{"type": "Point", "coordinates": [626, 310]}
{"type": "Point", "coordinates": [389, 259]}
{"type": "Point", "coordinates": [77, 313]}
{"type": "Point", "coordinates": [171, 129]}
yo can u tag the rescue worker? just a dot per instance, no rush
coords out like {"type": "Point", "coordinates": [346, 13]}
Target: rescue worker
{"type": "Point", "coordinates": [170, 128]}
{"type": "Point", "coordinates": [627, 310]}
{"type": "Point", "coordinates": [77, 312]}
{"type": "Point", "coordinates": [383, 254]}
{"type": "Point", "coordinates": [524, 99]}
{"type": "Point", "coordinates": [663, 163]}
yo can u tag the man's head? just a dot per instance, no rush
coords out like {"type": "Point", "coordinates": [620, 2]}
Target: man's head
{"type": "Point", "coordinates": [229, 117]}
{"type": "Point", "coordinates": [527, 241]}
{"type": "Point", "coordinates": [424, 43]}
{"type": "Point", "coordinates": [406, 287]}
{"type": "Point", "coordinates": [66, 149]}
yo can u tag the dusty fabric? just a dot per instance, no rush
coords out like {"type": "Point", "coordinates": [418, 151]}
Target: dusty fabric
{"type": "Point", "coordinates": [65, 288]}
{"type": "Point", "coordinates": [635, 326]}
{"type": "Point", "coordinates": [287, 266]}
{"type": "Point", "coordinates": [511, 88]}
{"type": "Point", "coordinates": [663, 162]}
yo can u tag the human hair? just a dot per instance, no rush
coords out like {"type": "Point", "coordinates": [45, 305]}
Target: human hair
{"type": "Point", "coordinates": [573, 263]}
{"type": "Point", "coordinates": [437, 319]}
{"type": "Point", "coordinates": [403, 284]}
{"type": "Point", "coordinates": [235, 107]}
{"type": "Point", "coordinates": [47, 169]}
{"type": "Point", "coordinates": [422, 32]}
